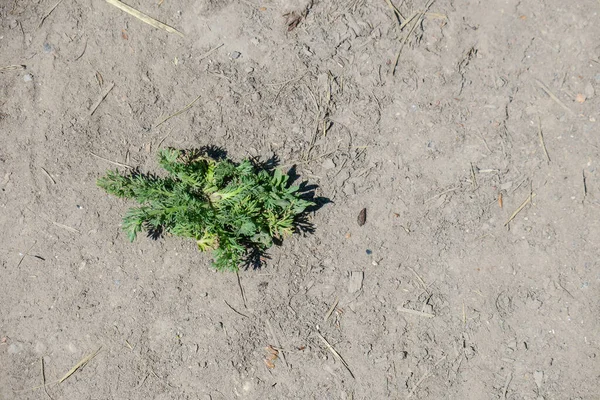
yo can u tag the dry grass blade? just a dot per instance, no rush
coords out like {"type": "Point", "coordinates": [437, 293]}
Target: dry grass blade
{"type": "Point", "coordinates": [553, 97]}
{"type": "Point", "coordinates": [335, 354]}
{"type": "Point", "coordinates": [542, 139]}
{"type": "Point", "coordinates": [25, 255]}
{"type": "Point", "coordinates": [102, 97]}
{"type": "Point", "coordinates": [143, 17]}
{"type": "Point", "coordinates": [184, 109]}
{"type": "Point", "coordinates": [441, 194]}
{"type": "Point", "coordinates": [415, 312]}
{"type": "Point", "coordinates": [66, 227]}
{"type": "Point", "coordinates": [112, 162]}
{"type": "Point", "coordinates": [12, 68]}
{"type": "Point", "coordinates": [419, 20]}
{"type": "Point", "coordinates": [48, 175]}
{"type": "Point", "coordinates": [208, 53]}
{"type": "Point", "coordinates": [521, 207]}
{"type": "Point", "coordinates": [408, 20]}
{"type": "Point", "coordinates": [395, 10]}
{"type": "Point", "coordinates": [80, 364]}
{"type": "Point", "coordinates": [333, 306]}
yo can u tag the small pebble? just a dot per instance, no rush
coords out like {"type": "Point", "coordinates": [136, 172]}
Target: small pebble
{"type": "Point", "coordinates": [369, 252]}
{"type": "Point", "coordinates": [47, 48]}
{"type": "Point", "coordinates": [235, 55]}
{"type": "Point", "coordinates": [28, 77]}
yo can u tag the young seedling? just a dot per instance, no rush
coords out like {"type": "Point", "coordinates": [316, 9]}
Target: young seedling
{"type": "Point", "coordinates": [235, 210]}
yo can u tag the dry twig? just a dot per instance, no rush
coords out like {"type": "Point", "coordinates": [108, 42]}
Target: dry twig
{"type": "Point", "coordinates": [335, 354]}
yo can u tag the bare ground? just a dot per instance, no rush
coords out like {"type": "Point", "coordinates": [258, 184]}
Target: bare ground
{"type": "Point", "coordinates": [434, 297]}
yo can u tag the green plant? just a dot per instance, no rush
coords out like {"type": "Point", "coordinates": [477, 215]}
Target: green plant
{"type": "Point", "coordinates": [235, 210]}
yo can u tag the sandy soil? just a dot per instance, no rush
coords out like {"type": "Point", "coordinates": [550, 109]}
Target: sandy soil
{"type": "Point", "coordinates": [436, 296]}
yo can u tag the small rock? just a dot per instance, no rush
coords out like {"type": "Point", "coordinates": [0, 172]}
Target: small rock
{"type": "Point", "coordinates": [47, 48]}
{"type": "Point", "coordinates": [28, 77]}
{"type": "Point", "coordinates": [249, 70]}
{"type": "Point", "coordinates": [235, 55]}
{"type": "Point", "coordinates": [328, 164]}
{"type": "Point", "coordinates": [356, 281]}
{"type": "Point", "coordinates": [580, 98]}
{"type": "Point", "coordinates": [256, 97]}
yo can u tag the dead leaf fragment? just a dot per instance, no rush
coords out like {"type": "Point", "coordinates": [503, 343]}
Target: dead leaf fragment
{"type": "Point", "coordinates": [292, 19]}
{"type": "Point", "coordinates": [362, 217]}
{"type": "Point", "coordinates": [580, 98]}
{"type": "Point", "coordinates": [271, 350]}
{"type": "Point", "coordinates": [124, 34]}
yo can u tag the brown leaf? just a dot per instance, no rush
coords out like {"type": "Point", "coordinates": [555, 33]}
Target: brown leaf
{"type": "Point", "coordinates": [124, 34]}
{"type": "Point", "coordinates": [362, 217]}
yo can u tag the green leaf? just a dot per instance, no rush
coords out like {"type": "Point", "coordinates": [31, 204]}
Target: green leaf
{"type": "Point", "coordinates": [247, 228]}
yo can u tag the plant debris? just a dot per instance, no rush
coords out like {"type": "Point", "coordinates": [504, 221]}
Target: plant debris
{"type": "Point", "coordinates": [362, 217]}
